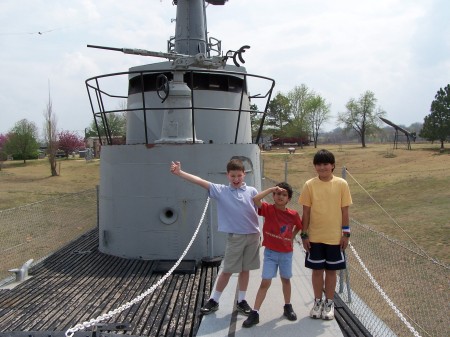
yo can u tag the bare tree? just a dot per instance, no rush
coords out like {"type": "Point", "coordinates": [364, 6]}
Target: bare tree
{"type": "Point", "coordinates": [362, 116]}
{"type": "Point", "coordinates": [51, 135]}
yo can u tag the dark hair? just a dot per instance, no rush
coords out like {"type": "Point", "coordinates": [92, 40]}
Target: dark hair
{"type": "Point", "coordinates": [235, 165]}
{"type": "Point", "coordinates": [323, 157]}
{"type": "Point", "coordinates": [287, 187]}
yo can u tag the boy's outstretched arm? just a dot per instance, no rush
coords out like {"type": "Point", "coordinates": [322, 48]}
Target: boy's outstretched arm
{"type": "Point", "coordinates": [175, 168]}
{"type": "Point", "coordinates": [257, 199]}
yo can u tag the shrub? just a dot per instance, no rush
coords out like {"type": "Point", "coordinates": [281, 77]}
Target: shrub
{"type": "Point", "coordinates": [3, 156]}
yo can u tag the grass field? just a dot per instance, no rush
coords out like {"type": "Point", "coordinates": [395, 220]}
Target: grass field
{"type": "Point", "coordinates": [411, 187]}
{"type": "Point", "coordinates": [402, 193]}
{"type": "Point", "coordinates": [24, 184]}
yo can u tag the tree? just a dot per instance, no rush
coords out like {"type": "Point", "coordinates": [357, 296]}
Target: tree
{"type": "Point", "coordinates": [69, 142]}
{"type": "Point", "coordinates": [3, 155]}
{"type": "Point", "coordinates": [415, 128]}
{"type": "Point", "coordinates": [22, 141]}
{"type": "Point", "coordinates": [318, 113]}
{"type": "Point", "coordinates": [278, 113]}
{"type": "Point", "coordinates": [436, 126]}
{"type": "Point", "coordinates": [362, 116]}
{"type": "Point", "coordinates": [255, 120]}
{"type": "Point", "coordinates": [339, 136]}
{"type": "Point", "coordinates": [115, 122]}
{"type": "Point", "coordinates": [428, 129]}
{"type": "Point", "coordinates": [51, 136]}
{"type": "Point", "coordinates": [3, 140]}
{"type": "Point", "coordinates": [298, 99]}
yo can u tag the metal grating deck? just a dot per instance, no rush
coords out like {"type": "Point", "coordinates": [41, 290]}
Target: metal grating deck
{"type": "Point", "coordinates": [79, 283]}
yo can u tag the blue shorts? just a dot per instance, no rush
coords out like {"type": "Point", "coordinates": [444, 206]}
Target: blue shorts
{"type": "Point", "coordinates": [323, 256]}
{"type": "Point", "coordinates": [274, 260]}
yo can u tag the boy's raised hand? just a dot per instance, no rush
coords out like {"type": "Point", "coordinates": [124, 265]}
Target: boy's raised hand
{"type": "Point", "coordinates": [175, 168]}
{"type": "Point", "coordinates": [278, 189]}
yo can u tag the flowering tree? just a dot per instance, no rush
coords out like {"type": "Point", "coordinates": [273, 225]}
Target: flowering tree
{"type": "Point", "coordinates": [69, 141]}
{"type": "Point", "coordinates": [3, 139]}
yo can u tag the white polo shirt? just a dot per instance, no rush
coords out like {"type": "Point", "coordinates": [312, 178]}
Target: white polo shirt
{"type": "Point", "coordinates": [236, 211]}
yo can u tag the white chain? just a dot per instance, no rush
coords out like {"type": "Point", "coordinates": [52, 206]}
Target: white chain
{"type": "Point", "coordinates": [70, 332]}
{"type": "Point", "coordinates": [383, 294]}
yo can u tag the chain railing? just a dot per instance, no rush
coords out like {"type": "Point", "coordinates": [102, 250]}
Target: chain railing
{"type": "Point", "coordinates": [84, 325]}
{"type": "Point", "coordinates": [36, 230]}
{"type": "Point", "coordinates": [395, 288]}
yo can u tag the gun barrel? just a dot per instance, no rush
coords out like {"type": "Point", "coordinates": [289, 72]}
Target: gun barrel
{"type": "Point", "coordinates": [142, 52]}
{"type": "Point", "coordinates": [107, 48]}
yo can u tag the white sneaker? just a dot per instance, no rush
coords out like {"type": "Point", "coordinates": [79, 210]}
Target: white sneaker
{"type": "Point", "coordinates": [328, 310]}
{"type": "Point", "coordinates": [316, 311]}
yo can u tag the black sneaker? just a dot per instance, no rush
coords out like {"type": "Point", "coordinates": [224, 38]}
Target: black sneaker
{"type": "Point", "coordinates": [243, 307]}
{"type": "Point", "coordinates": [252, 319]}
{"type": "Point", "coordinates": [209, 307]}
{"type": "Point", "coordinates": [289, 312]}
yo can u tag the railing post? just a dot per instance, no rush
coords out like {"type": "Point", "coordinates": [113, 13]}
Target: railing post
{"type": "Point", "coordinates": [262, 169]}
{"type": "Point", "coordinates": [286, 171]}
{"type": "Point", "coordinates": [345, 271]}
{"type": "Point", "coordinates": [97, 192]}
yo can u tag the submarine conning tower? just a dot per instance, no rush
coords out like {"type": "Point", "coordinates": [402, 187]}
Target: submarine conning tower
{"type": "Point", "coordinates": [193, 108]}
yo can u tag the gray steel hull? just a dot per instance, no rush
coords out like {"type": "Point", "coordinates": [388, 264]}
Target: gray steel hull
{"type": "Point", "coordinates": [145, 212]}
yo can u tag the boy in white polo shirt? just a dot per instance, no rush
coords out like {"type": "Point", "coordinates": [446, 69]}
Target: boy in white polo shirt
{"type": "Point", "coordinates": [237, 216]}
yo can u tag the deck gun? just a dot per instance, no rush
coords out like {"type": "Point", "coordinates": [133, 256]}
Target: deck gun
{"type": "Point", "coordinates": [185, 61]}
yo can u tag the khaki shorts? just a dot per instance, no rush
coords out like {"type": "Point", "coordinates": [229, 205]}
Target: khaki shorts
{"type": "Point", "coordinates": [241, 253]}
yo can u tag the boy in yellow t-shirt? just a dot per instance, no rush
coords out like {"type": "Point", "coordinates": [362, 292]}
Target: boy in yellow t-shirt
{"type": "Point", "coordinates": [326, 200]}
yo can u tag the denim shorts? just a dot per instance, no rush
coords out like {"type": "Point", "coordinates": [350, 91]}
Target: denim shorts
{"type": "Point", "coordinates": [275, 260]}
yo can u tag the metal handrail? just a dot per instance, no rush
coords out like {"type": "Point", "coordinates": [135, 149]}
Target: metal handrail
{"type": "Point", "coordinates": [92, 84]}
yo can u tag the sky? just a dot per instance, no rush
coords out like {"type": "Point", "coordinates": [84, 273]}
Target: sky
{"type": "Point", "coordinates": [398, 49]}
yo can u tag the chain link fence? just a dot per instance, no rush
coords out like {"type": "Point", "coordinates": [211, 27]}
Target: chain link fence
{"type": "Point", "coordinates": [36, 230]}
{"type": "Point", "coordinates": [392, 287]}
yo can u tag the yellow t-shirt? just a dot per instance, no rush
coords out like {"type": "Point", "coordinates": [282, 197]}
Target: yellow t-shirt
{"type": "Point", "coordinates": [326, 199]}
